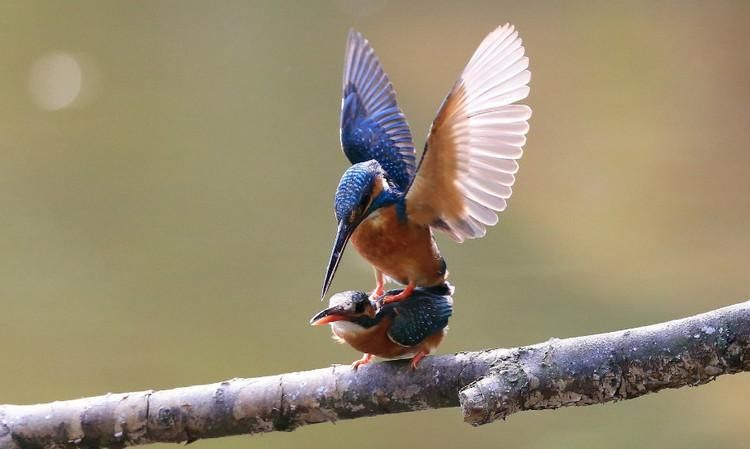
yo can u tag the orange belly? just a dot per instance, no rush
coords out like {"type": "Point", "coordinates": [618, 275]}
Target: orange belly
{"type": "Point", "coordinates": [403, 251]}
{"type": "Point", "coordinates": [375, 341]}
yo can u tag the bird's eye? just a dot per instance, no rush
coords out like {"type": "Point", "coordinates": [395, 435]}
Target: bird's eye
{"type": "Point", "coordinates": [360, 307]}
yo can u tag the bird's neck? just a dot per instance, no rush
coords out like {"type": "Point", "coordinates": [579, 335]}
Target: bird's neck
{"type": "Point", "coordinates": [356, 327]}
{"type": "Point", "coordinates": [390, 197]}
{"type": "Point", "coordinates": [367, 321]}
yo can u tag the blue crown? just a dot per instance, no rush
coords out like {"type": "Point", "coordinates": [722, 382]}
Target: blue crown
{"type": "Point", "coordinates": [355, 183]}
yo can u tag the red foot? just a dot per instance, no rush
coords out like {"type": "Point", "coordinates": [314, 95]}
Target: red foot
{"type": "Point", "coordinates": [417, 358]}
{"type": "Point", "coordinates": [379, 286]}
{"type": "Point", "coordinates": [366, 358]}
{"type": "Point", "coordinates": [377, 293]}
{"type": "Point", "coordinates": [405, 293]}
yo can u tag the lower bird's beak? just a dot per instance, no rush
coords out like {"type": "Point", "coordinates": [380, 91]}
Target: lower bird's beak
{"type": "Point", "coordinates": [343, 233]}
{"type": "Point", "coordinates": [328, 316]}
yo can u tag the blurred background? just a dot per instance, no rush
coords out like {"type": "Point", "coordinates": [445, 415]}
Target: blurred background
{"type": "Point", "coordinates": [167, 171]}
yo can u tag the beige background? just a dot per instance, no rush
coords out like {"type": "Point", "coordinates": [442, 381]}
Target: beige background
{"type": "Point", "coordinates": [168, 224]}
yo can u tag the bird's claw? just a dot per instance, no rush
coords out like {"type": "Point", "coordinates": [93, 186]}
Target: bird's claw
{"type": "Point", "coordinates": [366, 358]}
{"type": "Point", "coordinates": [376, 298]}
{"type": "Point", "coordinates": [417, 358]}
{"type": "Point", "coordinates": [379, 300]}
{"type": "Point", "coordinates": [402, 295]}
{"type": "Point", "coordinates": [387, 299]}
{"type": "Point", "coordinates": [376, 295]}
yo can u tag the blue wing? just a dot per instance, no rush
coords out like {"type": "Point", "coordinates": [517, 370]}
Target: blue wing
{"type": "Point", "coordinates": [420, 316]}
{"type": "Point", "coordinates": [372, 125]}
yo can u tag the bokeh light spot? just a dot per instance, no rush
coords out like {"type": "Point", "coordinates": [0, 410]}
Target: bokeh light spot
{"type": "Point", "coordinates": [55, 81]}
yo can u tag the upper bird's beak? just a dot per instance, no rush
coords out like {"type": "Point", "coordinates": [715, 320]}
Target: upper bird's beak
{"type": "Point", "coordinates": [343, 233]}
{"type": "Point", "coordinates": [328, 315]}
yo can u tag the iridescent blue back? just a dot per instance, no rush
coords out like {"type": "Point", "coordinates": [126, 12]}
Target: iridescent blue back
{"type": "Point", "coordinates": [372, 125]}
{"type": "Point", "coordinates": [424, 313]}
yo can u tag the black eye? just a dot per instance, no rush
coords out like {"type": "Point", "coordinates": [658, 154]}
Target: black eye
{"type": "Point", "coordinates": [360, 307]}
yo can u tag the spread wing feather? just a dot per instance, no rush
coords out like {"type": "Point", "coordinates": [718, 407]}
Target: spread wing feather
{"type": "Point", "coordinates": [372, 125]}
{"type": "Point", "coordinates": [470, 160]}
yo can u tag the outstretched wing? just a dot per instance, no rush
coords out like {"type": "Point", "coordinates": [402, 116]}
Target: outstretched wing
{"type": "Point", "coordinates": [470, 158]}
{"type": "Point", "coordinates": [372, 125]}
{"type": "Point", "coordinates": [420, 316]}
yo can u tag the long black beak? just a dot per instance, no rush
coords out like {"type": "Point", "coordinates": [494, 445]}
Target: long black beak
{"type": "Point", "coordinates": [343, 233]}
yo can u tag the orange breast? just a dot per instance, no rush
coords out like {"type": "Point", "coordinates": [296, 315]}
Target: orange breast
{"type": "Point", "coordinates": [402, 250]}
{"type": "Point", "coordinates": [375, 341]}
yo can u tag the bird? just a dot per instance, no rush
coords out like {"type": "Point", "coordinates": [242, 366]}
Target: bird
{"type": "Point", "coordinates": [412, 328]}
{"type": "Point", "coordinates": [386, 203]}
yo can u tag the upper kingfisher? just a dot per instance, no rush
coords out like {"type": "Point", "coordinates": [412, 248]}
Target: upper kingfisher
{"type": "Point", "coordinates": [387, 204]}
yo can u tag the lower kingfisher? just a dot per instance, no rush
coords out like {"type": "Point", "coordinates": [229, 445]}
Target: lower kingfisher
{"type": "Point", "coordinates": [386, 204]}
{"type": "Point", "coordinates": [412, 328]}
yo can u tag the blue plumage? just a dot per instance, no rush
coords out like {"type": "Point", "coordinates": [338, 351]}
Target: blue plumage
{"type": "Point", "coordinates": [372, 125]}
{"type": "Point", "coordinates": [364, 139]}
{"type": "Point", "coordinates": [356, 188]}
{"type": "Point", "coordinates": [355, 183]}
{"type": "Point", "coordinates": [420, 316]}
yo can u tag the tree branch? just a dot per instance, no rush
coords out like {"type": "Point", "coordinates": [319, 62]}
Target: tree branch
{"type": "Point", "coordinates": [487, 385]}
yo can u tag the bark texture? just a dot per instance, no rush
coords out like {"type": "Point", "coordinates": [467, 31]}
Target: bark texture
{"type": "Point", "coordinates": [487, 385]}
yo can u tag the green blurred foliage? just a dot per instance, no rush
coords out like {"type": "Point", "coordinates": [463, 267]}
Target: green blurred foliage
{"type": "Point", "coordinates": [170, 227]}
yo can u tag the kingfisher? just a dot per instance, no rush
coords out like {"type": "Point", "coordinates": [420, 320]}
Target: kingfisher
{"type": "Point", "coordinates": [386, 204]}
{"type": "Point", "coordinates": [412, 328]}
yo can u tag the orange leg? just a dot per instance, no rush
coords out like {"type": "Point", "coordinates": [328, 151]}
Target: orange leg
{"type": "Point", "coordinates": [417, 358]}
{"type": "Point", "coordinates": [405, 293]}
{"type": "Point", "coordinates": [379, 285]}
{"type": "Point", "coordinates": [366, 358]}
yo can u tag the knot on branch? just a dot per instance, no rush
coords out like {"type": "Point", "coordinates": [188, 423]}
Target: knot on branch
{"type": "Point", "coordinates": [493, 396]}
{"type": "Point", "coordinates": [505, 389]}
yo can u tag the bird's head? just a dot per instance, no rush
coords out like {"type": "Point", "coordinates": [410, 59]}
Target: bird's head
{"type": "Point", "coordinates": [349, 307]}
{"type": "Point", "coordinates": [363, 189]}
